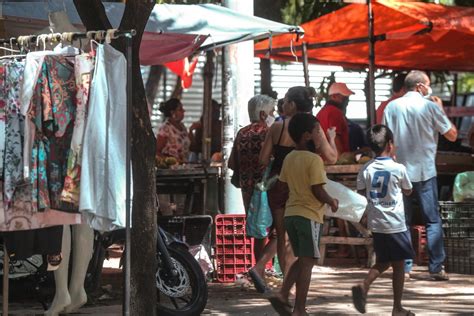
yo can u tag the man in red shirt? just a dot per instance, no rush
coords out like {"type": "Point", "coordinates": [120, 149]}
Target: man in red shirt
{"type": "Point", "coordinates": [332, 114]}
{"type": "Point", "coordinates": [398, 90]}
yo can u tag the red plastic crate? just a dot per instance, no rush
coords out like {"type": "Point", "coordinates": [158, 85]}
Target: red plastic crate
{"type": "Point", "coordinates": [234, 259]}
{"type": "Point", "coordinates": [418, 235]}
{"type": "Point", "coordinates": [234, 250]}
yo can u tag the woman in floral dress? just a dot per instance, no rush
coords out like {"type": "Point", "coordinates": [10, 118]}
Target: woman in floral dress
{"type": "Point", "coordinates": [172, 141]}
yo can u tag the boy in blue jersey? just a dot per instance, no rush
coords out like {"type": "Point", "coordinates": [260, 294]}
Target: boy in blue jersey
{"type": "Point", "coordinates": [384, 181]}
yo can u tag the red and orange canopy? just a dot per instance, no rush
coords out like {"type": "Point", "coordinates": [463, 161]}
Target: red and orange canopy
{"type": "Point", "coordinates": [410, 35]}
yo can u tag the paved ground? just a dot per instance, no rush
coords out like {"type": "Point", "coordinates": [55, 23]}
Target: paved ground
{"type": "Point", "coordinates": [329, 295]}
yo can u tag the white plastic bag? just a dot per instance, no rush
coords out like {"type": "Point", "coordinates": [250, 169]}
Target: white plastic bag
{"type": "Point", "coordinates": [351, 204]}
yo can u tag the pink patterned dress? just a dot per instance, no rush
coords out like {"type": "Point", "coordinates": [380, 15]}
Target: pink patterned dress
{"type": "Point", "coordinates": [177, 144]}
{"type": "Point", "coordinates": [83, 70]}
{"type": "Point", "coordinates": [53, 109]}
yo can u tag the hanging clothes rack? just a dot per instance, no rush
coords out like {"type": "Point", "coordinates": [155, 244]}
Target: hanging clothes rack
{"type": "Point", "coordinates": [97, 35]}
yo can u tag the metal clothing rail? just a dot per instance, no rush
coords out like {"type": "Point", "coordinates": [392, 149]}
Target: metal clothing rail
{"type": "Point", "coordinates": [97, 35]}
{"type": "Point", "coordinates": [69, 36]}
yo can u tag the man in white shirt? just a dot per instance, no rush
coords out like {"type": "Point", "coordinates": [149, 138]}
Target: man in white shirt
{"type": "Point", "coordinates": [416, 122]}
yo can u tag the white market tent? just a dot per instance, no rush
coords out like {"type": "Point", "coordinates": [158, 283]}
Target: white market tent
{"type": "Point", "coordinates": [173, 32]}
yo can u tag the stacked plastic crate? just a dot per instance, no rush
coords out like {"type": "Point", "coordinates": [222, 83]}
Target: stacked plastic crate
{"type": "Point", "coordinates": [418, 235]}
{"type": "Point", "coordinates": [458, 226]}
{"type": "Point", "coordinates": [234, 250]}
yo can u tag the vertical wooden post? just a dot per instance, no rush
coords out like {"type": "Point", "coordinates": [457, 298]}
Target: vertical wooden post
{"type": "Point", "coordinates": [207, 107]}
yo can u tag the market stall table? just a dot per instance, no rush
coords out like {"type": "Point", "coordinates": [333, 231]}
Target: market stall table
{"type": "Point", "coordinates": [448, 165]}
{"type": "Point", "coordinates": [187, 179]}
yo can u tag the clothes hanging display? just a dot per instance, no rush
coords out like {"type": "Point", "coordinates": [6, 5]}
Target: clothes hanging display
{"type": "Point", "coordinates": [45, 129]}
{"type": "Point", "coordinates": [102, 195]}
{"type": "Point", "coordinates": [17, 212]}
{"type": "Point", "coordinates": [52, 111]}
{"type": "Point", "coordinates": [83, 69]}
{"type": "Point", "coordinates": [42, 154]}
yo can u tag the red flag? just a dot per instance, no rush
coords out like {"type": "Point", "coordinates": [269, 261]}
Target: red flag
{"type": "Point", "coordinates": [184, 69]}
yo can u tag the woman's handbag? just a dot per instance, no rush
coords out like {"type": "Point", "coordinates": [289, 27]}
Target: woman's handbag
{"type": "Point", "coordinates": [259, 215]}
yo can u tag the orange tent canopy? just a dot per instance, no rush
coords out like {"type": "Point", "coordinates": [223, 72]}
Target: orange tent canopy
{"type": "Point", "coordinates": [410, 35]}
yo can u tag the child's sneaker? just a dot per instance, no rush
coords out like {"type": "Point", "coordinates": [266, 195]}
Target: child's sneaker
{"type": "Point", "coordinates": [439, 276]}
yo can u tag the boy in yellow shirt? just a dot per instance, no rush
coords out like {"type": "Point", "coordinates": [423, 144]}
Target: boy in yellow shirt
{"type": "Point", "coordinates": [303, 172]}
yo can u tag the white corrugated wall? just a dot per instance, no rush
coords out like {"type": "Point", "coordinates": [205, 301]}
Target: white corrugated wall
{"type": "Point", "coordinates": [284, 76]}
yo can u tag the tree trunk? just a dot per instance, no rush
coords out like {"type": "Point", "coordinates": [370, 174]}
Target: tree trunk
{"type": "Point", "coordinates": [143, 237]}
{"type": "Point", "coordinates": [153, 84]}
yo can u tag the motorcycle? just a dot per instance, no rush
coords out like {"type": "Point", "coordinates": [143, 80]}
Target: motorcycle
{"type": "Point", "coordinates": [180, 281]}
{"type": "Point", "coordinates": [181, 284]}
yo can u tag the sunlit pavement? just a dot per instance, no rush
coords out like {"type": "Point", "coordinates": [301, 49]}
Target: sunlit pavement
{"type": "Point", "coordinates": [329, 295]}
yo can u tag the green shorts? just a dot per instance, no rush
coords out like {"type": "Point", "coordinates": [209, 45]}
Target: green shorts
{"type": "Point", "coordinates": [304, 236]}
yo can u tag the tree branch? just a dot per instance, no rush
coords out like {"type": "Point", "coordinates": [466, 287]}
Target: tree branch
{"type": "Point", "coordinates": [92, 14]}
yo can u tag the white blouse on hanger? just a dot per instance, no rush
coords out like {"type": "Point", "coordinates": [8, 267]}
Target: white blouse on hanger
{"type": "Point", "coordinates": [102, 192]}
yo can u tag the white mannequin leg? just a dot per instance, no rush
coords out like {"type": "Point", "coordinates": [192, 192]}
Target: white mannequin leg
{"type": "Point", "coordinates": [61, 297]}
{"type": "Point", "coordinates": [82, 248]}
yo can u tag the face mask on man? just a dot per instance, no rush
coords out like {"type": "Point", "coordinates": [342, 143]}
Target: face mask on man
{"type": "Point", "coordinates": [429, 92]}
{"type": "Point", "coordinates": [345, 103]}
{"type": "Point", "coordinates": [269, 120]}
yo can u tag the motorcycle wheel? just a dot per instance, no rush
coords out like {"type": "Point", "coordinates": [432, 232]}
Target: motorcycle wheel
{"type": "Point", "coordinates": [185, 294]}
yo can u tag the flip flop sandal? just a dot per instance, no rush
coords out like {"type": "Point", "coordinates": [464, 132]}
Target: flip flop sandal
{"type": "Point", "coordinates": [359, 299]}
{"type": "Point", "coordinates": [258, 282]}
{"type": "Point", "coordinates": [282, 308]}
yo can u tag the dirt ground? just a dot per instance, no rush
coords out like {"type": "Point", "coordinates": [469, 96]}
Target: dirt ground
{"type": "Point", "coordinates": [329, 295]}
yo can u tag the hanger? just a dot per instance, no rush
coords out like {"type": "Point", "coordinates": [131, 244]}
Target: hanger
{"type": "Point", "coordinates": [9, 49]}
{"type": "Point", "coordinates": [41, 39]}
{"type": "Point", "coordinates": [110, 35]}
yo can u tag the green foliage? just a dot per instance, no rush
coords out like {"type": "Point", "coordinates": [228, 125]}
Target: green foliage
{"type": "Point", "coordinates": [466, 83]}
{"type": "Point", "coordinates": [297, 12]}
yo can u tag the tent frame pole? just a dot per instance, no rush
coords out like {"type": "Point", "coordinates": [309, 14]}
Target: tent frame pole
{"type": "Point", "coordinates": [128, 175]}
{"type": "Point", "coordinates": [6, 269]}
{"type": "Point", "coordinates": [305, 65]}
{"type": "Point", "coordinates": [371, 73]}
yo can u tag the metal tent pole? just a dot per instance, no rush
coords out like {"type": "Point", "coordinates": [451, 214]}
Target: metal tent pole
{"type": "Point", "coordinates": [128, 155]}
{"type": "Point", "coordinates": [6, 267]}
{"type": "Point", "coordinates": [305, 65]}
{"type": "Point", "coordinates": [371, 76]}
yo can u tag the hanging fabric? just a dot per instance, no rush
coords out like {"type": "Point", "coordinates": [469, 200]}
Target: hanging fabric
{"type": "Point", "coordinates": [83, 69]}
{"type": "Point", "coordinates": [17, 212]}
{"type": "Point", "coordinates": [52, 111]}
{"type": "Point", "coordinates": [102, 194]}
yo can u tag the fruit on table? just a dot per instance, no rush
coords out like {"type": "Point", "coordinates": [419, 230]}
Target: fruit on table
{"type": "Point", "coordinates": [165, 162]}
{"type": "Point", "coordinates": [363, 160]}
{"type": "Point", "coordinates": [216, 157]}
{"type": "Point", "coordinates": [170, 161]}
{"type": "Point", "coordinates": [346, 158]}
